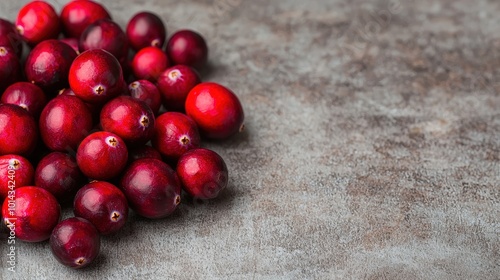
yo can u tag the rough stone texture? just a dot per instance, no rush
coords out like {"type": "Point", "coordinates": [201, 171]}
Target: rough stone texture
{"type": "Point", "coordinates": [372, 149]}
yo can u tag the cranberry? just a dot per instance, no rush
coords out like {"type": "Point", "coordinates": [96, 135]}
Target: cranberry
{"type": "Point", "coordinates": [149, 63]}
{"type": "Point", "coordinates": [10, 68]}
{"type": "Point", "coordinates": [102, 155]}
{"type": "Point", "coordinates": [95, 109]}
{"type": "Point", "coordinates": [129, 118]}
{"type": "Point", "coordinates": [175, 134]}
{"type": "Point", "coordinates": [59, 174]}
{"type": "Point", "coordinates": [216, 110]}
{"type": "Point", "coordinates": [143, 152]}
{"type": "Point", "coordinates": [203, 173]}
{"type": "Point", "coordinates": [77, 15]}
{"type": "Point", "coordinates": [15, 172]}
{"type": "Point", "coordinates": [96, 76]}
{"type": "Point", "coordinates": [72, 42]}
{"type": "Point", "coordinates": [146, 29]}
{"type": "Point", "coordinates": [38, 21]}
{"type": "Point", "coordinates": [146, 91]}
{"type": "Point", "coordinates": [189, 48]}
{"type": "Point", "coordinates": [174, 85]}
{"type": "Point", "coordinates": [26, 95]}
{"type": "Point", "coordinates": [151, 187]}
{"type": "Point", "coordinates": [48, 65]}
{"type": "Point", "coordinates": [107, 35]}
{"type": "Point", "coordinates": [10, 38]}
{"type": "Point", "coordinates": [33, 213]}
{"type": "Point", "coordinates": [64, 122]}
{"type": "Point", "coordinates": [18, 131]}
{"type": "Point", "coordinates": [75, 242]}
{"type": "Point", "coordinates": [103, 204]}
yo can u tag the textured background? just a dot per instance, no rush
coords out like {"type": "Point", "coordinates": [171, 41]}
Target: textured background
{"type": "Point", "coordinates": [372, 149]}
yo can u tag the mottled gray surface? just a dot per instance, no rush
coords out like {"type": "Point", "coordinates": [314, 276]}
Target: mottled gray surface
{"type": "Point", "coordinates": [372, 149]}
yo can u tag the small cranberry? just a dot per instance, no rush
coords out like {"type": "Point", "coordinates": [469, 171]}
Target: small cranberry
{"type": "Point", "coordinates": [27, 96]}
{"type": "Point", "coordinates": [18, 131]}
{"type": "Point", "coordinates": [146, 91]}
{"type": "Point", "coordinates": [10, 67]}
{"type": "Point", "coordinates": [77, 15]}
{"type": "Point", "coordinates": [107, 35]}
{"type": "Point", "coordinates": [174, 85]}
{"type": "Point", "coordinates": [15, 172]}
{"type": "Point", "coordinates": [38, 21]}
{"type": "Point", "coordinates": [189, 48]}
{"type": "Point", "coordinates": [146, 29]}
{"type": "Point", "coordinates": [10, 38]}
{"type": "Point", "coordinates": [149, 63]}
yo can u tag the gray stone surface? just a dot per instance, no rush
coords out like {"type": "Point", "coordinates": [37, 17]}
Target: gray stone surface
{"type": "Point", "coordinates": [372, 147]}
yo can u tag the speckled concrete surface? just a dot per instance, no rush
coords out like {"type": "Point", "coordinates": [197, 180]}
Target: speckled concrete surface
{"type": "Point", "coordinates": [372, 149]}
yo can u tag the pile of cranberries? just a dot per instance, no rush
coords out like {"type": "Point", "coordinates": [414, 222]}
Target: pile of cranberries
{"type": "Point", "coordinates": [103, 119]}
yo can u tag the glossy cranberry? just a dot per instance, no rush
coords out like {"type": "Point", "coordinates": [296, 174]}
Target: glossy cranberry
{"type": "Point", "coordinates": [77, 15]}
{"type": "Point", "coordinates": [174, 85]}
{"type": "Point", "coordinates": [9, 37]}
{"type": "Point", "coordinates": [26, 95]}
{"type": "Point", "coordinates": [129, 118]}
{"type": "Point", "coordinates": [151, 187]}
{"type": "Point", "coordinates": [72, 42]}
{"type": "Point", "coordinates": [15, 172]}
{"type": "Point", "coordinates": [175, 134]}
{"type": "Point", "coordinates": [34, 213]}
{"type": "Point", "coordinates": [38, 21]}
{"type": "Point", "coordinates": [203, 173]}
{"type": "Point", "coordinates": [146, 29]}
{"type": "Point", "coordinates": [64, 122]}
{"type": "Point", "coordinates": [10, 68]}
{"type": "Point", "coordinates": [189, 48]}
{"type": "Point", "coordinates": [18, 131]}
{"type": "Point", "coordinates": [59, 174]}
{"type": "Point", "coordinates": [103, 204]}
{"type": "Point", "coordinates": [107, 35]}
{"type": "Point", "coordinates": [102, 155]}
{"type": "Point", "coordinates": [48, 65]}
{"type": "Point", "coordinates": [149, 63]}
{"type": "Point", "coordinates": [216, 110]}
{"type": "Point", "coordinates": [75, 242]}
{"type": "Point", "coordinates": [95, 109]}
{"type": "Point", "coordinates": [96, 76]}
{"type": "Point", "coordinates": [146, 91]}
{"type": "Point", "coordinates": [143, 151]}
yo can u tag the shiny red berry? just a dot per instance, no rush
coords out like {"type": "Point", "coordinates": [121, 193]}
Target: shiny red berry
{"type": "Point", "coordinates": [149, 63]}
{"type": "Point", "coordinates": [189, 48]}
{"type": "Point", "coordinates": [77, 15]}
{"type": "Point", "coordinates": [18, 131]}
{"type": "Point", "coordinates": [26, 95]}
{"type": "Point", "coordinates": [9, 37]}
{"type": "Point", "coordinates": [146, 91]}
{"type": "Point", "coordinates": [38, 21]}
{"type": "Point", "coordinates": [10, 68]}
{"type": "Point", "coordinates": [146, 29]}
{"type": "Point", "coordinates": [107, 35]}
{"type": "Point", "coordinates": [174, 85]}
{"type": "Point", "coordinates": [15, 172]}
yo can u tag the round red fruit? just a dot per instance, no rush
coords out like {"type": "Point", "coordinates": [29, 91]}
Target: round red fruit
{"type": "Point", "coordinates": [18, 131]}
{"type": "Point", "coordinates": [146, 29]}
{"type": "Point", "coordinates": [146, 91]}
{"type": "Point", "coordinates": [189, 48]}
{"type": "Point", "coordinates": [174, 85]}
{"type": "Point", "coordinates": [77, 15]}
{"type": "Point", "coordinates": [15, 172]}
{"type": "Point", "coordinates": [38, 21]}
{"type": "Point", "coordinates": [27, 96]}
{"type": "Point", "coordinates": [149, 63]}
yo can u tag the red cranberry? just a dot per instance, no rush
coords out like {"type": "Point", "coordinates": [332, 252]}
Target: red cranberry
{"type": "Point", "coordinates": [95, 109]}
{"type": "Point", "coordinates": [143, 152]}
{"type": "Point", "coordinates": [10, 68]}
{"type": "Point", "coordinates": [203, 173]}
{"type": "Point", "coordinates": [72, 42]}
{"type": "Point", "coordinates": [33, 213]}
{"type": "Point", "coordinates": [129, 118]}
{"type": "Point", "coordinates": [96, 76]}
{"type": "Point", "coordinates": [9, 37]}
{"type": "Point", "coordinates": [151, 187]}
{"type": "Point", "coordinates": [189, 48]}
{"type": "Point", "coordinates": [38, 21]}
{"type": "Point", "coordinates": [174, 85]}
{"type": "Point", "coordinates": [75, 242]}
{"type": "Point", "coordinates": [26, 95]}
{"type": "Point", "coordinates": [18, 130]}
{"type": "Point", "coordinates": [64, 122]}
{"type": "Point", "coordinates": [149, 63]}
{"type": "Point", "coordinates": [102, 155]}
{"type": "Point", "coordinates": [103, 204]}
{"type": "Point", "coordinates": [107, 35]}
{"type": "Point", "coordinates": [175, 134]}
{"type": "Point", "coordinates": [146, 91]}
{"type": "Point", "coordinates": [15, 172]}
{"type": "Point", "coordinates": [77, 15]}
{"type": "Point", "coordinates": [59, 174]}
{"type": "Point", "coordinates": [48, 65]}
{"type": "Point", "coordinates": [216, 110]}
{"type": "Point", "coordinates": [146, 29]}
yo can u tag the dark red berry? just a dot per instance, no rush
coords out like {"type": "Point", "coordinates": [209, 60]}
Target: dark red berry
{"type": "Point", "coordinates": [216, 110]}
{"type": "Point", "coordinates": [174, 85]}
{"type": "Point", "coordinates": [175, 134]}
{"type": "Point", "coordinates": [146, 91]}
{"type": "Point", "coordinates": [151, 187]}
{"type": "Point", "coordinates": [15, 172]}
{"type": "Point", "coordinates": [64, 122]}
{"type": "Point", "coordinates": [10, 68]}
{"type": "Point", "coordinates": [95, 109]}
{"type": "Point", "coordinates": [103, 204]}
{"type": "Point", "coordinates": [143, 151]}
{"type": "Point", "coordinates": [75, 242]}
{"type": "Point", "coordinates": [33, 213]}
{"type": "Point", "coordinates": [146, 29]}
{"type": "Point", "coordinates": [27, 96]}
{"type": "Point", "coordinates": [9, 37]}
{"type": "Point", "coordinates": [149, 63]}
{"type": "Point", "coordinates": [77, 15]}
{"type": "Point", "coordinates": [38, 21]}
{"type": "Point", "coordinates": [189, 48]}
{"type": "Point", "coordinates": [203, 173]}
{"type": "Point", "coordinates": [107, 35]}
{"type": "Point", "coordinates": [72, 42]}
{"type": "Point", "coordinates": [102, 155]}
{"type": "Point", "coordinates": [18, 131]}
